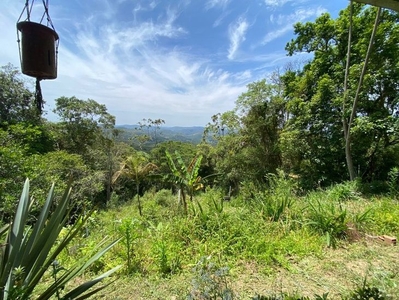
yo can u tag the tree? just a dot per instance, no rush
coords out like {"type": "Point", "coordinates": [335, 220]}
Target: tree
{"type": "Point", "coordinates": [320, 105]}
{"type": "Point", "coordinates": [16, 101]}
{"type": "Point", "coordinates": [185, 177]}
{"type": "Point", "coordinates": [82, 123]}
{"type": "Point", "coordinates": [186, 150]}
{"type": "Point", "coordinates": [149, 132]}
{"type": "Point", "coordinates": [248, 137]}
{"type": "Point", "coordinates": [136, 167]}
{"type": "Point", "coordinates": [263, 116]}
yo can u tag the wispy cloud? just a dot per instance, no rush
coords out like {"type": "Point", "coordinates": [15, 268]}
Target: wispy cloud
{"type": "Point", "coordinates": [220, 19]}
{"type": "Point", "coordinates": [154, 59]}
{"type": "Point", "coordinates": [237, 32]}
{"type": "Point", "coordinates": [277, 3]}
{"type": "Point", "coordinates": [124, 67]}
{"type": "Point", "coordinates": [116, 37]}
{"type": "Point", "coordinates": [216, 3]}
{"type": "Point", "coordinates": [287, 22]}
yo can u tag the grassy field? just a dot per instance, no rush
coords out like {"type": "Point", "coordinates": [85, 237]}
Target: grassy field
{"type": "Point", "coordinates": [268, 243]}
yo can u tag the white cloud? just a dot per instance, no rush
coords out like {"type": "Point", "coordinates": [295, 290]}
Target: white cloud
{"type": "Point", "coordinates": [278, 3]}
{"type": "Point", "coordinates": [287, 22]}
{"type": "Point", "coordinates": [237, 32]}
{"type": "Point", "coordinates": [124, 68]}
{"type": "Point", "coordinates": [213, 3]}
{"type": "Point", "coordinates": [220, 19]}
{"type": "Point", "coordinates": [149, 66]}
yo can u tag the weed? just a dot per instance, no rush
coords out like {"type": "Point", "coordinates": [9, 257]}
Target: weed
{"type": "Point", "coordinates": [284, 296]}
{"type": "Point", "coordinates": [164, 198]}
{"type": "Point", "coordinates": [273, 203]}
{"type": "Point", "coordinates": [328, 220]}
{"type": "Point", "coordinates": [167, 263]}
{"type": "Point", "coordinates": [129, 232]}
{"type": "Point", "coordinates": [210, 281]}
{"type": "Point", "coordinates": [362, 218]}
{"type": "Point", "coordinates": [366, 292]}
{"type": "Point", "coordinates": [344, 191]}
{"type": "Point", "coordinates": [217, 205]}
{"type": "Point", "coordinates": [393, 186]}
{"type": "Point", "coordinates": [384, 217]}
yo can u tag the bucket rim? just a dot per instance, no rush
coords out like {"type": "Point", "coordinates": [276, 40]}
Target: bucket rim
{"type": "Point", "coordinates": [25, 24]}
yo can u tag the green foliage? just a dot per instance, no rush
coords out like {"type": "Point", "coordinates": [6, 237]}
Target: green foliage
{"type": "Point", "coordinates": [185, 177]}
{"type": "Point", "coordinates": [210, 281]}
{"type": "Point", "coordinates": [136, 168]}
{"type": "Point", "coordinates": [285, 296]}
{"type": "Point", "coordinates": [186, 150]}
{"type": "Point", "coordinates": [313, 140]}
{"type": "Point", "coordinates": [43, 169]}
{"type": "Point", "coordinates": [163, 197]}
{"type": "Point", "coordinates": [86, 129]}
{"type": "Point", "coordinates": [393, 183]}
{"type": "Point", "coordinates": [165, 243]}
{"type": "Point", "coordinates": [366, 292]}
{"type": "Point", "coordinates": [329, 220]}
{"type": "Point", "coordinates": [276, 200]}
{"type": "Point", "coordinates": [167, 260]}
{"type": "Point", "coordinates": [128, 230]}
{"type": "Point", "coordinates": [16, 101]}
{"type": "Point", "coordinates": [384, 217]}
{"type": "Point", "coordinates": [344, 191]}
{"type": "Point", "coordinates": [30, 252]}
{"type": "Point", "coordinates": [248, 137]}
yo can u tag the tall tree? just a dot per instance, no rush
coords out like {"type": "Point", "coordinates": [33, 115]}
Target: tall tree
{"type": "Point", "coordinates": [248, 136]}
{"type": "Point", "coordinates": [263, 116]}
{"type": "Point", "coordinates": [148, 131]}
{"type": "Point", "coordinates": [314, 134]}
{"type": "Point", "coordinates": [82, 123]}
{"type": "Point", "coordinates": [16, 100]}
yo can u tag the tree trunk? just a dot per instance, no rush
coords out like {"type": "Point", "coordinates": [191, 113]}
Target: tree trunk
{"type": "Point", "coordinates": [183, 196]}
{"type": "Point", "coordinates": [348, 152]}
{"type": "Point", "coordinates": [347, 125]}
{"type": "Point", "coordinates": [138, 198]}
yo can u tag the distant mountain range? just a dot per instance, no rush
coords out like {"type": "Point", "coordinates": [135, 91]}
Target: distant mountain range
{"type": "Point", "coordinates": [183, 134]}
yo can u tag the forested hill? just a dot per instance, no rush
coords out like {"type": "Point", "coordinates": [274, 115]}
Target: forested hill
{"type": "Point", "coordinates": [182, 134]}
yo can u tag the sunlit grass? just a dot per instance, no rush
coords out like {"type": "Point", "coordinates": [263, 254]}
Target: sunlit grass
{"type": "Point", "coordinates": [289, 249]}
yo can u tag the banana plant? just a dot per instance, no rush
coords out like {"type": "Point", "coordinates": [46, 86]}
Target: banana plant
{"type": "Point", "coordinates": [27, 252]}
{"type": "Point", "coordinates": [185, 177]}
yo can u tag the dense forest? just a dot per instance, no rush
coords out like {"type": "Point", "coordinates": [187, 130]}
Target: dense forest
{"type": "Point", "coordinates": [293, 126]}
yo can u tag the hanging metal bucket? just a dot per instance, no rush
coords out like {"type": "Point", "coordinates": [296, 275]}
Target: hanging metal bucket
{"type": "Point", "coordinates": [39, 50]}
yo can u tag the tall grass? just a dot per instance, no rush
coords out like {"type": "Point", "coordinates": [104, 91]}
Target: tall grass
{"type": "Point", "coordinates": [271, 226]}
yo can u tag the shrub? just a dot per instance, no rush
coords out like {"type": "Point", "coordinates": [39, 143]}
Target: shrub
{"type": "Point", "coordinates": [344, 191]}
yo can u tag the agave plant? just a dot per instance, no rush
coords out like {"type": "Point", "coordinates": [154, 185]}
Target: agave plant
{"type": "Point", "coordinates": [27, 252]}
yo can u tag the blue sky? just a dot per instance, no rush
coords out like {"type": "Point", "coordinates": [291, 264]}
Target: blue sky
{"type": "Point", "coordinates": [182, 60]}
